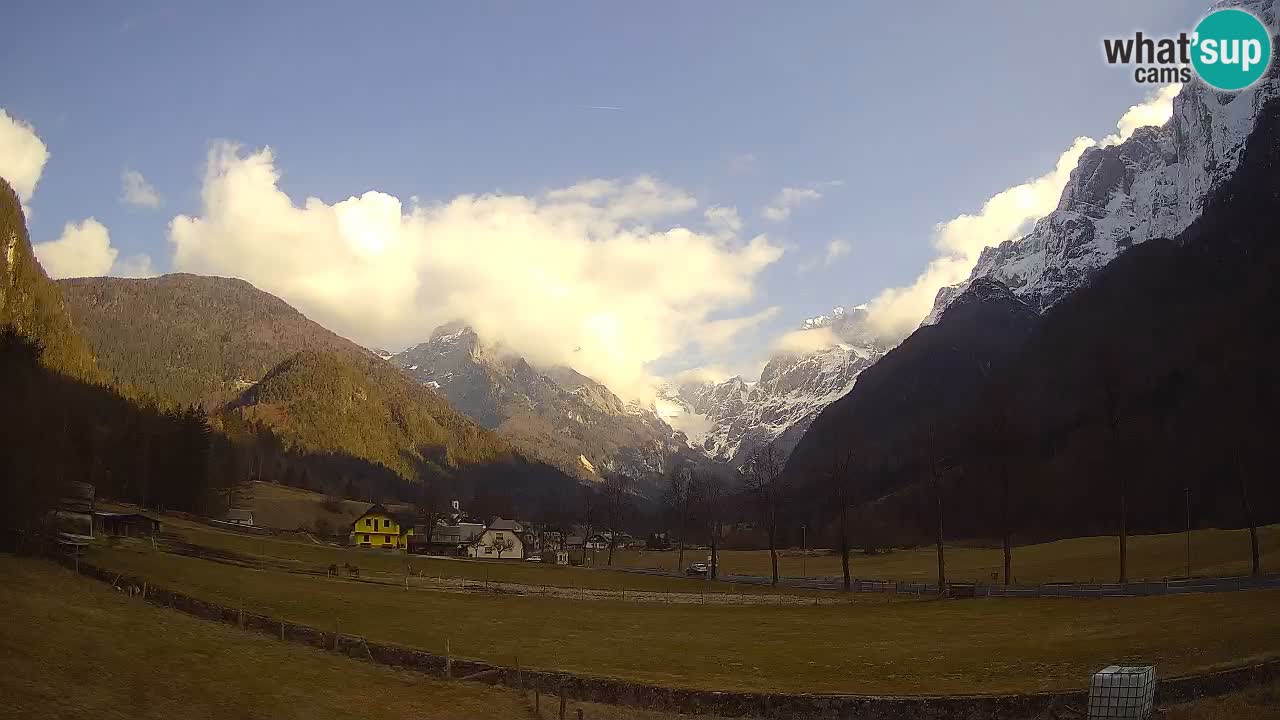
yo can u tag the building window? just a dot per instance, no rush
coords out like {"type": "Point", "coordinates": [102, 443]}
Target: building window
{"type": "Point", "coordinates": [368, 522]}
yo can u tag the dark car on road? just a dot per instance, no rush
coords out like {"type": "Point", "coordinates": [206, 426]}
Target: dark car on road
{"type": "Point", "coordinates": [698, 570]}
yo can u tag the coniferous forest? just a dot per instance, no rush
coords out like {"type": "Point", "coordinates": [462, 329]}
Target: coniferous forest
{"type": "Point", "coordinates": [66, 420]}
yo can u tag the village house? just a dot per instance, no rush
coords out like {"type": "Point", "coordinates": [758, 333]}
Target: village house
{"type": "Point", "coordinates": [502, 539]}
{"type": "Point", "coordinates": [446, 540]}
{"type": "Point", "coordinates": [381, 528]}
{"type": "Point", "coordinates": [601, 540]}
{"type": "Point", "coordinates": [124, 524]}
{"type": "Point", "coordinates": [239, 516]}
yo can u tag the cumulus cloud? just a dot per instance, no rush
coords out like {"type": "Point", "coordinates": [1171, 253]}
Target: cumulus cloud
{"type": "Point", "coordinates": [137, 191]}
{"type": "Point", "coordinates": [786, 200]}
{"type": "Point", "coordinates": [134, 266]}
{"type": "Point", "coordinates": [702, 375]}
{"type": "Point", "coordinates": [84, 250]}
{"type": "Point", "coordinates": [716, 334]}
{"type": "Point", "coordinates": [806, 341]}
{"type": "Point", "coordinates": [22, 156]}
{"type": "Point", "coordinates": [601, 276]}
{"type": "Point", "coordinates": [723, 219]}
{"type": "Point", "coordinates": [1155, 110]}
{"type": "Point", "coordinates": [836, 249]}
{"type": "Point", "coordinates": [1007, 215]}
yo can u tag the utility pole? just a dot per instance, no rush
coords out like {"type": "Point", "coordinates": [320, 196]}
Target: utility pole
{"type": "Point", "coordinates": [1186, 493]}
{"type": "Point", "coordinates": [804, 551]}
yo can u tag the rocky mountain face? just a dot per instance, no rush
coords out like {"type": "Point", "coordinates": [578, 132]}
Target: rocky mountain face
{"type": "Point", "coordinates": [729, 419]}
{"type": "Point", "coordinates": [1152, 185]}
{"type": "Point", "coordinates": [554, 414]}
{"type": "Point", "coordinates": [1146, 394]}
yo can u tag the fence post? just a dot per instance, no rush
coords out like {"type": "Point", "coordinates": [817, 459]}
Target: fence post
{"type": "Point", "coordinates": [562, 700]}
{"type": "Point", "coordinates": [519, 675]}
{"type": "Point", "coordinates": [448, 660]}
{"type": "Point", "coordinates": [537, 700]}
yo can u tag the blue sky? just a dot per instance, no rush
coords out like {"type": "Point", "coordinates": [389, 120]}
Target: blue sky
{"type": "Point", "coordinates": [901, 115]}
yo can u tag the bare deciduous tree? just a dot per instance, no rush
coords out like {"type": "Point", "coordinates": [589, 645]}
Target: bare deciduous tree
{"type": "Point", "coordinates": [765, 482]}
{"type": "Point", "coordinates": [617, 490]}
{"type": "Point", "coordinates": [678, 500]}
{"type": "Point", "coordinates": [502, 544]}
{"type": "Point", "coordinates": [841, 478]}
{"type": "Point", "coordinates": [1120, 472]}
{"type": "Point", "coordinates": [707, 495]}
{"type": "Point", "coordinates": [938, 469]}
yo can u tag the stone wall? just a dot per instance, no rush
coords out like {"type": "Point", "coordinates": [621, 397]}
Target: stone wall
{"type": "Point", "coordinates": [687, 701]}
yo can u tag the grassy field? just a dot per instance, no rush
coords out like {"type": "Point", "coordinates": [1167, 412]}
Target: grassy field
{"type": "Point", "coordinates": [289, 508]}
{"type": "Point", "coordinates": [302, 552]}
{"type": "Point", "coordinates": [874, 644]}
{"type": "Point", "coordinates": [72, 648]}
{"type": "Point", "coordinates": [1091, 559]}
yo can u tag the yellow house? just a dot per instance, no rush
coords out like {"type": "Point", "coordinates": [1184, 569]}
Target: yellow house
{"type": "Point", "coordinates": [381, 528]}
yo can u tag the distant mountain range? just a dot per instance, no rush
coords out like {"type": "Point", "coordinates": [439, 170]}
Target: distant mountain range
{"type": "Point", "coordinates": [554, 414]}
{"type": "Point", "coordinates": [729, 419]}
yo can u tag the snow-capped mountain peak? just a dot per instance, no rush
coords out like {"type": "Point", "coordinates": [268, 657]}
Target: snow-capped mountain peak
{"type": "Point", "coordinates": [1154, 184]}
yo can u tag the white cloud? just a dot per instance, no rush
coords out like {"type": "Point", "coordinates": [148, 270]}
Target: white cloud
{"type": "Point", "coordinates": [134, 266]}
{"type": "Point", "coordinates": [723, 219]}
{"type": "Point", "coordinates": [1155, 110]}
{"type": "Point", "coordinates": [716, 334]}
{"type": "Point", "coordinates": [805, 341]}
{"type": "Point", "coordinates": [836, 249]}
{"type": "Point", "coordinates": [598, 275]}
{"type": "Point", "coordinates": [22, 156]}
{"type": "Point", "coordinates": [137, 191]}
{"type": "Point", "coordinates": [786, 200]}
{"type": "Point", "coordinates": [895, 312]}
{"type": "Point", "coordinates": [702, 375]}
{"type": "Point", "coordinates": [84, 250]}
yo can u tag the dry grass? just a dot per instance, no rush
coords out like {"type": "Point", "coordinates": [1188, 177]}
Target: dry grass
{"type": "Point", "coordinates": [72, 648]}
{"type": "Point", "coordinates": [290, 508]}
{"type": "Point", "coordinates": [1091, 559]}
{"type": "Point", "coordinates": [302, 552]}
{"type": "Point", "coordinates": [1261, 703]}
{"type": "Point", "coordinates": [866, 646]}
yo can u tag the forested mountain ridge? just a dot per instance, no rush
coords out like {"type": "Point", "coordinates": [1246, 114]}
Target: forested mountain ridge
{"type": "Point", "coordinates": [31, 303]}
{"type": "Point", "coordinates": [185, 339]}
{"type": "Point", "coordinates": [295, 395]}
{"type": "Point", "coordinates": [364, 407]}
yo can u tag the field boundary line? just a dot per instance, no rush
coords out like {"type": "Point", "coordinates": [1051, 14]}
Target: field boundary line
{"type": "Point", "coordinates": [614, 691]}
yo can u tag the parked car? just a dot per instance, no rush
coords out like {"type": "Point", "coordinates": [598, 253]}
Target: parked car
{"type": "Point", "coordinates": [533, 558]}
{"type": "Point", "coordinates": [698, 570]}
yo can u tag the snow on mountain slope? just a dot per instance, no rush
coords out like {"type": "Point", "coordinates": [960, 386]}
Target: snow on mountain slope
{"type": "Point", "coordinates": [727, 420]}
{"type": "Point", "coordinates": [555, 414]}
{"type": "Point", "coordinates": [1152, 185]}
